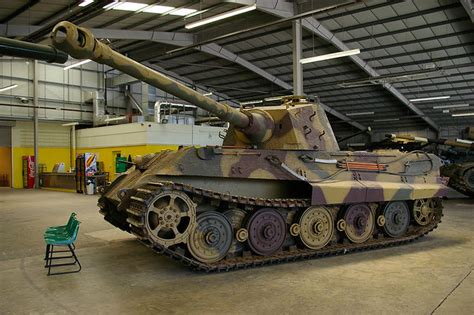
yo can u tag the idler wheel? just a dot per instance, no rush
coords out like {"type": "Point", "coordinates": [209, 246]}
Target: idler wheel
{"type": "Point", "coordinates": [423, 211]}
{"type": "Point", "coordinates": [236, 217]}
{"type": "Point", "coordinates": [211, 238]}
{"type": "Point", "coordinates": [397, 218]}
{"type": "Point", "coordinates": [360, 223]}
{"type": "Point", "coordinates": [317, 227]}
{"type": "Point", "coordinates": [170, 217]}
{"type": "Point", "coordinates": [267, 231]}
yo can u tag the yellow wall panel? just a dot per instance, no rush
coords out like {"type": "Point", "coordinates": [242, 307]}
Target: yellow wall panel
{"type": "Point", "coordinates": [107, 155]}
{"type": "Point", "coordinates": [6, 162]}
{"type": "Point", "coordinates": [47, 156]}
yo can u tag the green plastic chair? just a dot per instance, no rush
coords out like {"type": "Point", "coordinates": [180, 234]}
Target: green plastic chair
{"type": "Point", "coordinates": [61, 228]}
{"type": "Point", "coordinates": [65, 238]}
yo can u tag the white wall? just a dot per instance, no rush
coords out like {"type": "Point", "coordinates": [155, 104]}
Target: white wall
{"type": "Point", "coordinates": [148, 133]}
{"type": "Point", "coordinates": [50, 135]}
{"type": "Point", "coordinates": [59, 91]}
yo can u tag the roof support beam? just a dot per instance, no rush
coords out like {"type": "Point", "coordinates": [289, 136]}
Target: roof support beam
{"type": "Point", "coordinates": [19, 11]}
{"type": "Point", "coordinates": [172, 38]}
{"type": "Point", "coordinates": [177, 39]}
{"type": "Point", "coordinates": [469, 7]}
{"type": "Point", "coordinates": [284, 10]}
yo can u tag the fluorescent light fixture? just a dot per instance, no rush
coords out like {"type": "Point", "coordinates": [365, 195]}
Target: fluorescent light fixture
{"type": "Point", "coordinates": [158, 9]}
{"type": "Point", "coordinates": [340, 54]}
{"type": "Point", "coordinates": [207, 94]}
{"type": "Point", "coordinates": [115, 118]}
{"type": "Point", "coordinates": [430, 98]}
{"type": "Point", "coordinates": [8, 87]}
{"type": "Point", "coordinates": [196, 13]}
{"type": "Point", "coordinates": [129, 6]}
{"type": "Point", "coordinates": [182, 12]}
{"type": "Point", "coordinates": [360, 114]}
{"type": "Point", "coordinates": [70, 124]}
{"type": "Point", "coordinates": [450, 106]}
{"type": "Point", "coordinates": [386, 119]}
{"type": "Point", "coordinates": [77, 64]}
{"type": "Point", "coordinates": [464, 141]}
{"type": "Point", "coordinates": [85, 3]}
{"type": "Point", "coordinates": [463, 114]}
{"type": "Point", "coordinates": [273, 98]}
{"type": "Point", "coordinates": [445, 111]}
{"type": "Point", "coordinates": [221, 16]}
{"type": "Point", "coordinates": [111, 5]}
{"type": "Point", "coordinates": [251, 102]}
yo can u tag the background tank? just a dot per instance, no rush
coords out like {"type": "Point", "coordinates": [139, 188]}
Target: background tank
{"type": "Point", "coordinates": [22, 49]}
{"type": "Point", "coordinates": [278, 190]}
{"type": "Point", "coordinates": [458, 160]}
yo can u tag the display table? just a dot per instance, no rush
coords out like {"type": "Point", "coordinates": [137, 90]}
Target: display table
{"type": "Point", "coordinates": [58, 180]}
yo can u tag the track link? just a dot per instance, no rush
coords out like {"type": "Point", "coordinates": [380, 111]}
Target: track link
{"type": "Point", "coordinates": [139, 202]}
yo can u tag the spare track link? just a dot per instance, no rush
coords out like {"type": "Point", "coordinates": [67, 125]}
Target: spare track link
{"type": "Point", "coordinates": [139, 204]}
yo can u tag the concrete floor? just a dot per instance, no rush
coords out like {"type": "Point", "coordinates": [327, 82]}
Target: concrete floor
{"type": "Point", "coordinates": [122, 276]}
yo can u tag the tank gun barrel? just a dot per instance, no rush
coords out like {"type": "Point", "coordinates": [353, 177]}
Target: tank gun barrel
{"type": "Point", "coordinates": [459, 143]}
{"type": "Point", "coordinates": [80, 43]}
{"type": "Point", "coordinates": [22, 49]}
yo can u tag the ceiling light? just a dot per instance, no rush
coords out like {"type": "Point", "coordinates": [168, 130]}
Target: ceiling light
{"type": "Point", "coordinates": [251, 102]}
{"type": "Point", "coordinates": [110, 5]}
{"type": "Point", "coordinates": [8, 87]}
{"type": "Point", "coordinates": [77, 64]}
{"type": "Point", "coordinates": [273, 98]}
{"type": "Point", "coordinates": [182, 12]}
{"type": "Point", "coordinates": [430, 98]}
{"type": "Point", "coordinates": [445, 111]}
{"type": "Point", "coordinates": [386, 119]}
{"type": "Point", "coordinates": [129, 6]}
{"type": "Point", "coordinates": [340, 54]}
{"type": "Point", "coordinates": [207, 94]}
{"type": "Point", "coordinates": [85, 3]}
{"type": "Point", "coordinates": [221, 16]}
{"type": "Point", "coordinates": [463, 114]}
{"type": "Point", "coordinates": [360, 114]}
{"type": "Point", "coordinates": [450, 106]}
{"type": "Point", "coordinates": [196, 13]}
{"type": "Point", "coordinates": [115, 118]}
{"type": "Point", "coordinates": [158, 9]}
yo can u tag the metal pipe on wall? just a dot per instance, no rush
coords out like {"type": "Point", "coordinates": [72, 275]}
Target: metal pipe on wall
{"type": "Point", "coordinates": [35, 120]}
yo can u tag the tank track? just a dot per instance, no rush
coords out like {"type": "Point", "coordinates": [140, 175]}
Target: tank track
{"type": "Point", "coordinates": [139, 202]}
{"type": "Point", "coordinates": [460, 185]}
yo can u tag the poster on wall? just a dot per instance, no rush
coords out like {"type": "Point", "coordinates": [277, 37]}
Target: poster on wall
{"type": "Point", "coordinates": [91, 163]}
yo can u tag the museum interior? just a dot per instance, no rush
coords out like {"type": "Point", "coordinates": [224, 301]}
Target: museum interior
{"type": "Point", "coordinates": [237, 156]}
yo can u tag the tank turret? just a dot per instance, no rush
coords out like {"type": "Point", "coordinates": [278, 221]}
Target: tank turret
{"type": "Point", "coordinates": [279, 189]}
{"type": "Point", "coordinates": [296, 124]}
{"type": "Point", "coordinates": [18, 48]}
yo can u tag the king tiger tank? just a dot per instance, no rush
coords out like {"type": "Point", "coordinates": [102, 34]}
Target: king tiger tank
{"type": "Point", "coordinates": [277, 190]}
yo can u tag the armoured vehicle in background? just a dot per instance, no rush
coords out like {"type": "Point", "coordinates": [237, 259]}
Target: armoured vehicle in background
{"type": "Point", "coordinates": [458, 160]}
{"type": "Point", "coordinates": [279, 189]}
{"type": "Point", "coordinates": [22, 49]}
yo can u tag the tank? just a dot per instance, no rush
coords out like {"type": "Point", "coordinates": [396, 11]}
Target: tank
{"type": "Point", "coordinates": [458, 160]}
{"type": "Point", "coordinates": [22, 49]}
{"type": "Point", "coordinates": [277, 190]}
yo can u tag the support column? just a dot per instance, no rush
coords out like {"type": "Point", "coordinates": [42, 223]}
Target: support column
{"type": "Point", "coordinates": [73, 144]}
{"type": "Point", "coordinates": [297, 67]}
{"type": "Point", "coordinates": [144, 102]}
{"type": "Point", "coordinates": [35, 120]}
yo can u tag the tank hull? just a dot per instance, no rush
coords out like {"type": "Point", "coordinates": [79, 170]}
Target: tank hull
{"type": "Point", "coordinates": [333, 189]}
